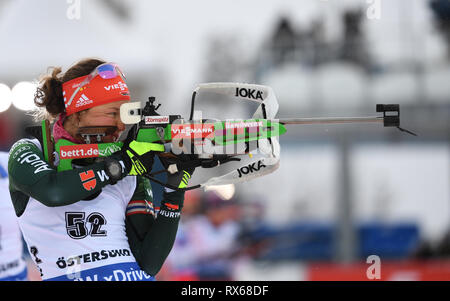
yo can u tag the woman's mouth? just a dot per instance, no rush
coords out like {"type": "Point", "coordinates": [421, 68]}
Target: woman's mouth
{"type": "Point", "coordinates": [110, 138]}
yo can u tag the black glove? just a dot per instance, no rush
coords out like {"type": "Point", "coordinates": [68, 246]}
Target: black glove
{"type": "Point", "coordinates": [179, 173]}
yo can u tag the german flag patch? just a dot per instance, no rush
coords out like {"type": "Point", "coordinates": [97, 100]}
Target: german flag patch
{"type": "Point", "coordinates": [140, 207]}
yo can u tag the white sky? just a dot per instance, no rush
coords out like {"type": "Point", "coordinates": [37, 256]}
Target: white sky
{"type": "Point", "coordinates": [171, 34]}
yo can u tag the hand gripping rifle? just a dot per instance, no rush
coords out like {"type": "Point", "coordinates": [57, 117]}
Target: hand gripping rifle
{"type": "Point", "coordinates": [210, 143]}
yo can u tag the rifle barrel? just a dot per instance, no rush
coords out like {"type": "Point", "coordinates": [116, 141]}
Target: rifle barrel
{"type": "Point", "coordinates": [331, 120]}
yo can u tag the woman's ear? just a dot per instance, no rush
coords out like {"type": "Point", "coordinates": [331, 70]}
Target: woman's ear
{"type": "Point", "coordinates": [78, 117]}
{"type": "Point", "coordinates": [73, 121]}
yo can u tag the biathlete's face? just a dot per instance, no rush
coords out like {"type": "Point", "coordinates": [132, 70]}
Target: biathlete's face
{"type": "Point", "coordinates": [104, 115]}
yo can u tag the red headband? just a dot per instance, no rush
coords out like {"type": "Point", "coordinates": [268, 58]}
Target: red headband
{"type": "Point", "coordinates": [99, 91]}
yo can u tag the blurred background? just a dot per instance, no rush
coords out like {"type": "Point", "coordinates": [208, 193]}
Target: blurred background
{"type": "Point", "coordinates": [342, 192]}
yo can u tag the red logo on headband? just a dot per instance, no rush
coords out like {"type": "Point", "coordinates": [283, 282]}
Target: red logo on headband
{"type": "Point", "coordinates": [97, 92]}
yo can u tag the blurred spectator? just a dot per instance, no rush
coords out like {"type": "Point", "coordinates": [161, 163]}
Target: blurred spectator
{"type": "Point", "coordinates": [205, 242]}
{"type": "Point", "coordinates": [192, 205]}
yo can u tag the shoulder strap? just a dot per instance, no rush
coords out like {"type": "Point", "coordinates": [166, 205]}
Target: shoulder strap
{"type": "Point", "coordinates": [42, 133]}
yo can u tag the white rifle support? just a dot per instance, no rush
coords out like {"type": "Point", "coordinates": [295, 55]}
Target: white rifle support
{"type": "Point", "coordinates": [268, 148]}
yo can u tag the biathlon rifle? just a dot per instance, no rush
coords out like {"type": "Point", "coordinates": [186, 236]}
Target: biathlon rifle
{"type": "Point", "coordinates": [209, 143]}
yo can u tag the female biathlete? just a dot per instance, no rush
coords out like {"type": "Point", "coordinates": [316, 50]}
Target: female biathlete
{"type": "Point", "coordinates": [95, 221]}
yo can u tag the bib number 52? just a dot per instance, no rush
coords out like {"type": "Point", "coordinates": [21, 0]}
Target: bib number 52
{"type": "Point", "coordinates": [79, 227]}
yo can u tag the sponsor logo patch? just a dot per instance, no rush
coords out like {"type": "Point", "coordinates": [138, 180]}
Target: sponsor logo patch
{"type": "Point", "coordinates": [180, 131]}
{"type": "Point", "coordinates": [33, 160]}
{"type": "Point", "coordinates": [79, 151]}
{"type": "Point", "coordinates": [120, 85]}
